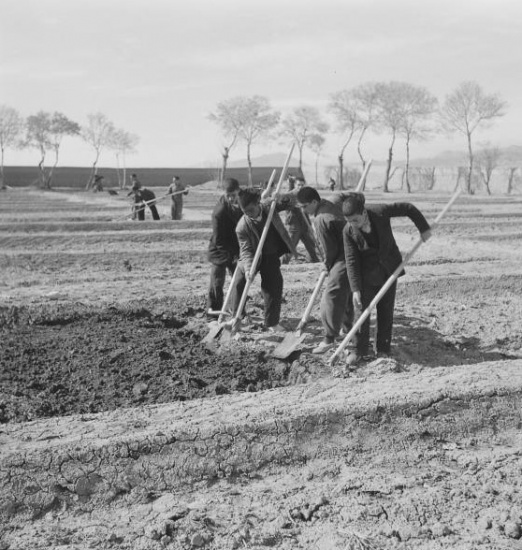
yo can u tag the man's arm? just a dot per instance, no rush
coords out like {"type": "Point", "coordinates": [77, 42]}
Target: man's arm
{"type": "Point", "coordinates": [406, 209]}
{"type": "Point", "coordinates": [219, 229]}
{"type": "Point", "coordinates": [246, 252]}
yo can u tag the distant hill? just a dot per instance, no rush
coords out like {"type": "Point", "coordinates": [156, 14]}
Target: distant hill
{"type": "Point", "coordinates": [272, 159]}
{"type": "Point", "coordinates": [511, 155]}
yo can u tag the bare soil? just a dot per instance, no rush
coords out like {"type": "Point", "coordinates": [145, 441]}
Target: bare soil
{"type": "Point", "coordinates": [99, 314]}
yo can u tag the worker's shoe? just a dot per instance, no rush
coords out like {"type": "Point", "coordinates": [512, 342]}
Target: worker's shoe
{"type": "Point", "coordinates": [354, 358]}
{"type": "Point", "coordinates": [276, 328]}
{"type": "Point", "coordinates": [323, 347]}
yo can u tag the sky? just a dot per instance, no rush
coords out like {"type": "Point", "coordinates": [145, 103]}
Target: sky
{"type": "Point", "coordinates": [158, 68]}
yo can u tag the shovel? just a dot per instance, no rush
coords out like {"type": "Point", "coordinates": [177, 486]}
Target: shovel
{"type": "Point", "coordinates": [217, 327]}
{"type": "Point", "coordinates": [393, 277]}
{"type": "Point", "coordinates": [292, 340]}
{"type": "Point", "coordinates": [231, 327]}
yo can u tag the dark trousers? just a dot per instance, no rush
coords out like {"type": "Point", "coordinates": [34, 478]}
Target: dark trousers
{"type": "Point", "coordinates": [218, 273]}
{"type": "Point", "coordinates": [153, 211]}
{"type": "Point", "coordinates": [385, 309]}
{"type": "Point", "coordinates": [302, 234]}
{"type": "Point", "coordinates": [271, 288]}
{"type": "Point", "coordinates": [336, 302]}
{"type": "Point", "coordinates": [176, 209]}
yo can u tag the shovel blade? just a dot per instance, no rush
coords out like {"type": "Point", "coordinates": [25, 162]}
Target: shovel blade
{"type": "Point", "coordinates": [213, 333]}
{"type": "Point", "coordinates": [288, 345]}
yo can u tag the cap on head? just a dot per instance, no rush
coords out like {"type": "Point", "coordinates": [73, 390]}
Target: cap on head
{"type": "Point", "coordinates": [248, 196]}
{"type": "Point", "coordinates": [230, 185]}
{"type": "Point", "coordinates": [353, 204]}
{"type": "Point", "coordinates": [307, 194]}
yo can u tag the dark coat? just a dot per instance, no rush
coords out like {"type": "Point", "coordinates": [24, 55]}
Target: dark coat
{"type": "Point", "coordinates": [363, 262]}
{"type": "Point", "coordinates": [223, 246]}
{"type": "Point", "coordinates": [249, 237]}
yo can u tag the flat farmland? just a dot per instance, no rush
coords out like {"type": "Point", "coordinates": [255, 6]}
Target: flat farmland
{"type": "Point", "coordinates": [120, 428]}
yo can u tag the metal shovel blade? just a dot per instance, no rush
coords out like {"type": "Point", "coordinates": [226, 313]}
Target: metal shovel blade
{"type": "Point", "coordinates": [288, 345]}
{"type": "Point", "coordinates": [215, 330]}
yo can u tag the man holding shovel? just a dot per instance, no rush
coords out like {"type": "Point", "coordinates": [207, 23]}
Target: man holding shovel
{"type": "Point", "coordinates": [223, 248]}
{"type": "Point", "coordinates": [328, 224]}
{"type": "Point", "coordinates": [277, 243]}
{"type": "Point", "coordinates": [372, 255]}
{"type": "Point", "coordinates": [176, 190]}
{"type": "Point", "coordinates": [143, 197]}
{"type": "Point", "coordinates": [298, 226]}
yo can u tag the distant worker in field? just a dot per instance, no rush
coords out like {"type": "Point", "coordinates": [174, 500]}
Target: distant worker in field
{"type": "Point", "coordinates": [331, 184]}
{"type": "Point", "coordinates": [223, 248]}
{"type": "Point", "coordinates": [143, 197]}
{"type": "Point", "coordinates": [372, 255]}
{"type": "Point", "coordinates": [98, 184]}
{"type": "Point", "coordinates": [298, 225]}
{"type": "Point", "coordinates": [177, 190]}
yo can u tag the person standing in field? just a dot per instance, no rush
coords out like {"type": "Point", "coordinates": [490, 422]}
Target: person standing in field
{"type": "Point", "coordinates": [297, 224]}
{"type": "Point", "coordinates": [223, 248]}
{"type": "Point", "coordinates": [328, 224]}
{"type": "Point", "coordinates": [331, 184]}
{"type": "Point", "coordinates": [143, 197]}
{"type": "Point", "coordinates": [372, 255]}
{"type": "Point", "coordinates": [177, 190]}
{"type": "Point", "coordinates": [249, 230]}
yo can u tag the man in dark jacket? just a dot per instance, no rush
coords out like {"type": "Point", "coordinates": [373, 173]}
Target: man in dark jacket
{"type": "Point", "coordinates": [249, 230]}
{"type": "Point", "coordinates": [328, 223]}
{"type": "Point", "coordinates": [143, 197]}
{"type": "Point", "coordinates": [372, 255]}
{"type": "Point", "coordinates": [223, 249]}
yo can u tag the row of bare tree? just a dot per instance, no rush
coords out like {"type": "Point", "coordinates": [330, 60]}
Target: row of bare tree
{"type": "Point", "coordinates": [45, 132]}
{"type": "Point", "coordinates": [399, 109]}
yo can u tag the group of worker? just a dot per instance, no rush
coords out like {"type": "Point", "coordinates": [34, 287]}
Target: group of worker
{"type": "Point", "coordinates": [145, 198]}
{"type": "Point", "coordinates": [353, 240]}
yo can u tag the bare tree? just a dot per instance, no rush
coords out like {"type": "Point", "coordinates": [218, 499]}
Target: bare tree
{"type": "Point", "coordinates": [391, 106]}
{"type": "Point", "coordinates": [38, 136]}
{"type": "Point", "coordinates": [11, 128]}
{"type": "Point", "coordinates": [316, 142]}
{"type": "Point", "coordinates": [98, 133]}
{"type": "Point", "coordinates": [248, 118]}
{"type": "Point", "coordinates": [123, 143]}
{"type": "Point", "coordinates": [344, 108]}
{"type": "Point", "coordinates": [230, 128]}
{"type": "Point", "coordinates": [487, 161]}
{"type": "Point", "coordinates": [467, 109]}
{"type": "Point", "coordinates": [300, 124]}
{"type": "Point", "coordinates": [418, 106]}
{"type": "Point", "coordinates": [365, 98]}
{"type": "Point", "coordinates": [60, 127]}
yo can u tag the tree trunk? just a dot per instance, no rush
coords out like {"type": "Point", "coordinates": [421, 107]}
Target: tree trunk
{"type": "Point", "coordinates": [223, 166]}
{"type": "Point", "coordinates": [512, 172]}
{"type": "Point", "coordinates": [470, 166]}
{"type": "Point", "coordinates": [94, 171]}
{"type": "Point", "coordinates": [250, 183]}
{"type": "Point", "coordinates": [341, 172]}
{"type": "Point", "coordinates": [2, 177]}
{"type": "Point", "coordinates": [51, 172]}
{"type": "Point", "coordinates": [300, 147]}
{"type": "Point", "coordinates": [407, 167]}
{"type": "Point", "coordinates": [41, 168]}
{"type": "Point", "coordinates": [359, 142]}
{"type": "Point", "coordinates": [317, 170]}
{"type": "Point", "coordinates": [388, 166]}
{"type": "Point", "coordinates": [118, 170]}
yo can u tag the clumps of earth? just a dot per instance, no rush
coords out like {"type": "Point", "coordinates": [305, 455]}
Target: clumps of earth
{"type": "Point", "coordinates": [63, 359]}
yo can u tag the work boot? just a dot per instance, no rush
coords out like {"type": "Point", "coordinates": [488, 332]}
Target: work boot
{"type": "Point", "coordinates": [323, 347]}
